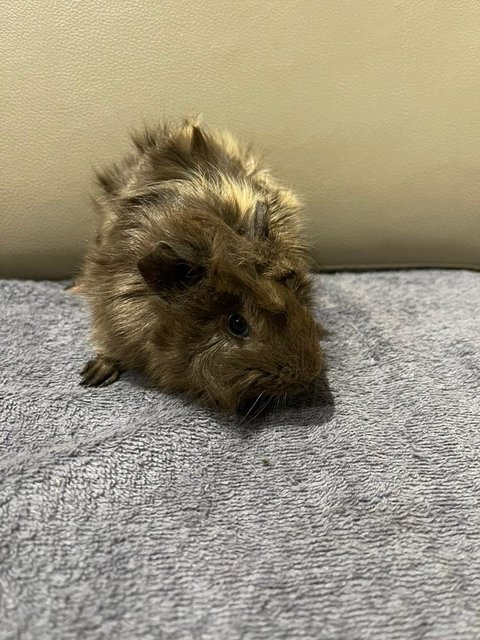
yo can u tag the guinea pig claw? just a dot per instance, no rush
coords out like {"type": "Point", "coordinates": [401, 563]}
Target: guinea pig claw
{"type": "Point", "coordinates": [100, 372]}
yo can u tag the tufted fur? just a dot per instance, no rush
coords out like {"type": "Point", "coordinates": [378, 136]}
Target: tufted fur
{"type": "Point", "coordinates": [192, 228]}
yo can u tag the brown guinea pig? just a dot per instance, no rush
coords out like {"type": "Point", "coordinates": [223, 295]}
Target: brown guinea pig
{"type": "Point", "coordinates": [199, 276]}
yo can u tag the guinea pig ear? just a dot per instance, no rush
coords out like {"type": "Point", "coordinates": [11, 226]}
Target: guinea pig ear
{"type": "Point", "coordinates": [170, 268]}
{"type": "Point", "coordinates": [258, 225]}
{"type": "Point", "coordinates": [199, 145]}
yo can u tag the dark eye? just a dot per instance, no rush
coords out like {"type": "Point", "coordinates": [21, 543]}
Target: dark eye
{"type": "Point", "coordinates": [237, 325]}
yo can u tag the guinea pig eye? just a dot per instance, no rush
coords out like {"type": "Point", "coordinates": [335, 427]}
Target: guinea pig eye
{"type": "Point", "coordinates": [237, 325]}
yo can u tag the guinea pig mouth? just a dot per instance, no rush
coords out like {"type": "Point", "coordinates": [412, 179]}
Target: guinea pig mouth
{"type": "Point", "coordinates": [254, 407]}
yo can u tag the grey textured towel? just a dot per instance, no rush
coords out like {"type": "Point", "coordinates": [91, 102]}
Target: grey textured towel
{"type": "Point", "coordinates": [125, 513]}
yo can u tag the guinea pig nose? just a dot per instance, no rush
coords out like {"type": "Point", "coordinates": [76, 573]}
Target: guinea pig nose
{"type": "Point", "coordinates": [310, 365]}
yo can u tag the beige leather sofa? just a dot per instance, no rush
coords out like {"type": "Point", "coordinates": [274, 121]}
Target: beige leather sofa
{"type": "Point", "coordinates": [371, 110]}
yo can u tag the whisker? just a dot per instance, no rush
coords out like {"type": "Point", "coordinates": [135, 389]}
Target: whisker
{"type": "Point", "coordinates": [262, 408]}
{"type": "Point", "coordinates": [251, 408]}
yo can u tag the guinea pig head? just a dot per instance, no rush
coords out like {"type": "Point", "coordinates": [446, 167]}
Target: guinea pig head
{"type": "Point", "coordinates": [232, 323]}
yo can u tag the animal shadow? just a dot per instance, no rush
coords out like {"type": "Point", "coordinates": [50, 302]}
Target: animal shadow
{"type": "Point", "coordinates": [315, 406]}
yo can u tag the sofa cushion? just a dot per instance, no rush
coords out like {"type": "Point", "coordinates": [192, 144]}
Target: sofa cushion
{"type": "Point", "coordinates": [370, 109]}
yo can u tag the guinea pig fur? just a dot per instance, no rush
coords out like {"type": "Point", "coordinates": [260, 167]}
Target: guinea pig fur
{"type": "Point", "coordinates": [199, 276]}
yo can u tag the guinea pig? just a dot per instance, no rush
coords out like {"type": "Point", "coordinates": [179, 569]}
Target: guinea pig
{"type": "Point", "coordinates": [199, 274]}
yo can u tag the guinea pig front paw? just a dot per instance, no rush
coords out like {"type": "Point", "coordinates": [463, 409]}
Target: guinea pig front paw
{"type": "Point", "coordinates": [100, 372]}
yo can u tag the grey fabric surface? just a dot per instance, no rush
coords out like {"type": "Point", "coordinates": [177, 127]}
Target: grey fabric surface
{"type": "Point", "coordinates": [125, 513]}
